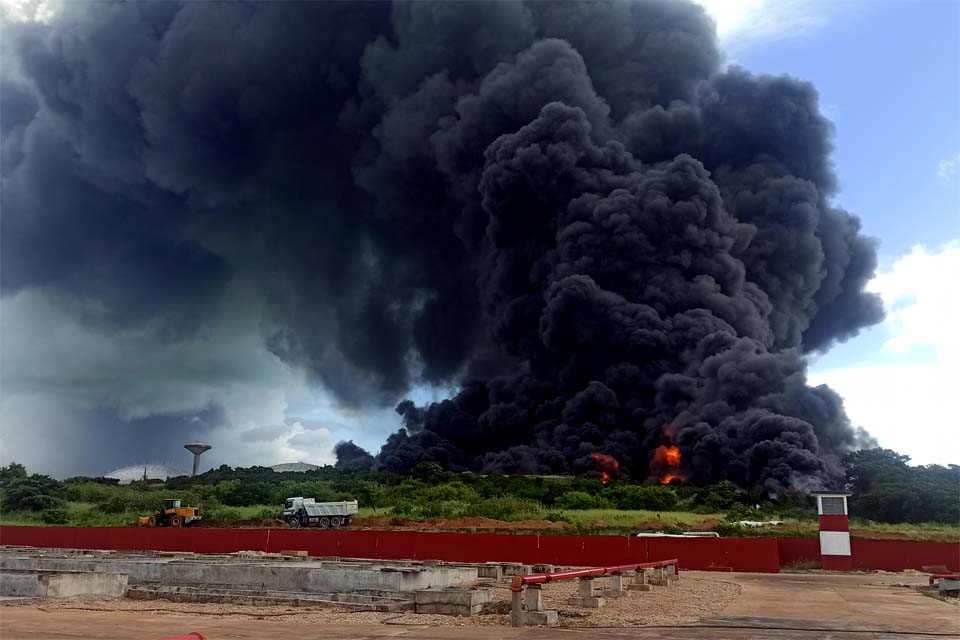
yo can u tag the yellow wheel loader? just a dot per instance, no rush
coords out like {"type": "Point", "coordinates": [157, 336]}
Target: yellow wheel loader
{"type": "Point", "coordinates": [173, 514]}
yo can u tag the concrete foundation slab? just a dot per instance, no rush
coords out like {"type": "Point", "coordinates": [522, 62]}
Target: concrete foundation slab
{"type": "Point", "coordinates": [540, 619]}
{"type": "Point", "coordinates": [451, 602]}
{"type": "Point", "coordinates": [42, 584]}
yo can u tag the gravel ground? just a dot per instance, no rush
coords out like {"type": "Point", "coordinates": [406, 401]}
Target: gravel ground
{"type": "Point", "coordinates": [686, 600]}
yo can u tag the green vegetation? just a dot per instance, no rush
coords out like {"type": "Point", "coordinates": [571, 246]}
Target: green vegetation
{"type": "Point", "coordinates": [886, 489]}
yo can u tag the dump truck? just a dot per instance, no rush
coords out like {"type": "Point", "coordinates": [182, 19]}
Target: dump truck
{"type": "Point", "coordinates": [172, 514]}
{"type": "Point", "coordinates": [306, 512]}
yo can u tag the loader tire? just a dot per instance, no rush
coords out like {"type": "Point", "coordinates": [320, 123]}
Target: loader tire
{"type": "Point", "coordinates": [152, 522]}
{"type": "Point", "coordinates": [176, 521]}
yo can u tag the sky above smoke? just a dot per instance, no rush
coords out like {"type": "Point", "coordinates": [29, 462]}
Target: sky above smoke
{"type": "Point", "coordinates": [549, 230]}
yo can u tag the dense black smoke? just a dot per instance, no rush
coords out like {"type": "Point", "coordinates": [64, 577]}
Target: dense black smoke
{"type": "Point", "coordinates": [568, 209]}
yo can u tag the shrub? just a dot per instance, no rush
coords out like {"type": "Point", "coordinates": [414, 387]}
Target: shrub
{"type": "Point", "coordinates": [270, 513]}
{"type": "Point", "coordinates": [650, 498]}
{"type": "Point", "coordinates": [53, 516]}
{"type": "Point", "coordinates": [579, 500]}
{"type": "Point", "coordinates": [222, 514]}
{"type": "Point", "coordinates": [32, 493]}
{"type": "Point", "coordinates": [506, 508]}
{"type": "Point", "coordinates": [729, 530]}
{"type": "Point", "coordinates": [558, 516]}
{"type": "Point", "coordinates": [718, 497]}
{"type": "Point", "coordinates": [244, 494]}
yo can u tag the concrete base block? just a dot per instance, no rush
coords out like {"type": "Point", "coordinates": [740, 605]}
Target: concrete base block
{"type": "Point", "coordinates": [451, 602]}
{"type": "Point", "coordinates": [587, 602]}
{"type": "Point", "coordinates": [432, 563]}
{"type": "Point", "coordinates": [611, 593]}
{"type": "Point", "coordinates": [516, 569]}
{"type": "Point", "coordinates": [659, 582]}
{"type": "Point", "coordinates": [494, 571]}
{"type": "Point", "coordinates": [533, 598]}
{"type": "Point", "coordinates": [330, 558]}
{"type": "Point", "coordinates": [639, 587]}
{"type": "Point", "coordinates": [543, 568]}
{"type": "Point", "coordinates": [540, 619]}
{"type": "Point", "coordinates": [296, 554]}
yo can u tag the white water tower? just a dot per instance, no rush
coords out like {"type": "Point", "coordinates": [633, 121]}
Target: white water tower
{"type": "Point", "coordinates": [196, 448]}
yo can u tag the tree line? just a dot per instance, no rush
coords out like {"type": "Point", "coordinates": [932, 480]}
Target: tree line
{"type": "Point", "coordinates": [885, 487]}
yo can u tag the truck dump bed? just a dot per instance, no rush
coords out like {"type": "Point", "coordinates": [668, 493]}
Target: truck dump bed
{"type": "Point", "coordinates": [315, 509]}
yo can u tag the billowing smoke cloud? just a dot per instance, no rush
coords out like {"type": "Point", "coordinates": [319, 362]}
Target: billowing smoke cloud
{"type": "Point", "coordinates": [567, 209]}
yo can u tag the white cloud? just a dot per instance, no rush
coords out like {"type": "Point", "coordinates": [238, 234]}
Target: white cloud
{"type": "Point", "coordinates": [744, 22]}
{"type": "Point", "coordinates": [947, 169]}
{"type": "Point", "coordinates": [908, 403]}
{"type": "Point", "coordinates": [29, 10]}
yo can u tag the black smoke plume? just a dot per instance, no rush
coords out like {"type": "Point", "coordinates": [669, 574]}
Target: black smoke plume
{"type": "Point", "coordinates": [571, 210]}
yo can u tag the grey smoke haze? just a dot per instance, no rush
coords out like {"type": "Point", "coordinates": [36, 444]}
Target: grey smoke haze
{"type": "Point", "coordinates": [568, 210]}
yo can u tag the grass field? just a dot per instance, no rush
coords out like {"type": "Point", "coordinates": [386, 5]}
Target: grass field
{"type": "Point", "coordinates": [623, 518]}
{"type": "Point", "coordinates": [580, 521]}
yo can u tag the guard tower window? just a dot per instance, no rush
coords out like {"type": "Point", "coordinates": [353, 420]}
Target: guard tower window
{"type": "Point", "coordinates": [832, 506]}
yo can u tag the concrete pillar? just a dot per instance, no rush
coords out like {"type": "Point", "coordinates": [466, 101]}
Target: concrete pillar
{"type": "Point", "coordinates": [533, 597]}
{"type": "Point", "coordinates": [617, 588]}
{"type": "Point", "coordinates": [639, 582]}
{"type": "Point", "coordinates": [516, 609]}
{"type": "Point", "coordinates": [586, 595]}
{"type": "Point", "coordinates": [659, 578]}
{"type": "Point", "coordinates": [585, 589]}
{"type": "Point", "coordinates": [672, 571]}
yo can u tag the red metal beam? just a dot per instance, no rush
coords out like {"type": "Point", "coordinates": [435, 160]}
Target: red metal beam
{"type": "Point", "coordinates": [543, 578]}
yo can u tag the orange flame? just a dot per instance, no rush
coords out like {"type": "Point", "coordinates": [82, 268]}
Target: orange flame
{"type": "Point", "coordinates": [608, 465]}
{"type": "Point", "coordinates": [667, 458]}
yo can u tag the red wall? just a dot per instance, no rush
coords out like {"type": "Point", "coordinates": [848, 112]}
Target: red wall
{"type": "Point", "coordinates": [897, 555]}
{"type": "Point", "coordinates": [740, 554]}
{"type": "Point", "coordinates": [765, 555]}
{"type": "Point", "coordinates": [796, 550]}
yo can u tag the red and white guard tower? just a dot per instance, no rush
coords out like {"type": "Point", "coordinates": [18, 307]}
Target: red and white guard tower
{"type": "Point", "coordinates": [834, 530]}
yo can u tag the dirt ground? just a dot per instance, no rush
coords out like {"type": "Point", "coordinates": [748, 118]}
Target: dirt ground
{"type": "Point", "coordinates": [733, 606]}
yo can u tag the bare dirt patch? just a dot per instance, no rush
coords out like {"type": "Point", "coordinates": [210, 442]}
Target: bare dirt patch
{"type": "Point", "coordinates": [687, 600]}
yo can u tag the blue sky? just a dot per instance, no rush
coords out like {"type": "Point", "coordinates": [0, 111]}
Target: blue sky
{"type": "Point", "coordinates": [888, 74]}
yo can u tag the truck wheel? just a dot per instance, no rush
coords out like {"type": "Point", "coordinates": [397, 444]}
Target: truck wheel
{"type": "Point", "coordinates": [176, 521]}
{"type": "Point", "coordinates": [293, 522]}
{"type": "Point", "coordinates": [335, 522]}
{"type": "Point", "coordinates": [324, 522]}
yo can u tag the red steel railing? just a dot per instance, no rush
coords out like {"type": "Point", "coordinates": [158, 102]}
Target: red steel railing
{"type": "Point", "coordinates": [542, 578]}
